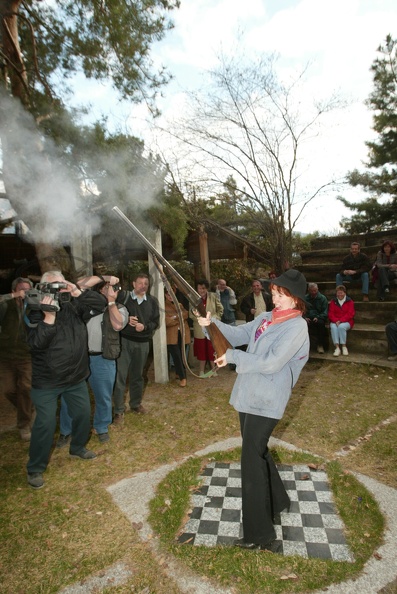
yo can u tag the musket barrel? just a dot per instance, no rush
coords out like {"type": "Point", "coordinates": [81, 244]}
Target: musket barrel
{"type": "Point", "coordinates": [219, 342]}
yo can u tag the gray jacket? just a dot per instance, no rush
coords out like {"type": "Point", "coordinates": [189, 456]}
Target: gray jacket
{"type": "Point", "coordinates": [270, 367]}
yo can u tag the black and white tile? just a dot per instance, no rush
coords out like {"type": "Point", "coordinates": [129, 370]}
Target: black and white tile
{"type": "Point", "coordinates": [312, 528]}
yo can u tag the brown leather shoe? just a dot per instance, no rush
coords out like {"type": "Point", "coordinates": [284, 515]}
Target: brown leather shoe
{"type": "Point", "coordinates": [139, 410]}
{"type": "Point", "coordinates": [182, 383]}
{"type": "Point", "coordinates": [118, 419]}
{"type": "Point", "coordinates": [365, 298]}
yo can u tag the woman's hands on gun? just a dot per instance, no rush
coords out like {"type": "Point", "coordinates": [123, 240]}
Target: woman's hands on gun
{"type": "Point", "coordinates": [203, 322]}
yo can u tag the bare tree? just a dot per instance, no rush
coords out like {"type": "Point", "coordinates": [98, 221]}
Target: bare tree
{"type": "Point", "coordinates": [250, 126]}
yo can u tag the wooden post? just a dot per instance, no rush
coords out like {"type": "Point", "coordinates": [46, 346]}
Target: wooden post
{"type": "Point", "coordinates": [160, 356]}
{"type": "Point", "coordinates": [204, 254]}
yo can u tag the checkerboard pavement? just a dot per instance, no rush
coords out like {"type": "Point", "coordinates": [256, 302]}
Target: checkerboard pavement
{"type": "Point", "coordinates": [312, 528]}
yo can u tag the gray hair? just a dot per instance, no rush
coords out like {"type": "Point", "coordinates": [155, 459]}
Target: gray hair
{"type": "Point", "coordinates": [50, 274]}
{"type": "Point", "coordinates": [19, 280]}
{"type": "Point", "coordinates": [312, 286]}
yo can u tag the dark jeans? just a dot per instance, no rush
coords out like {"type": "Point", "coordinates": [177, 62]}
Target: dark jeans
{"type": "Point", "coordinates": [385, 276]}
{"type": "Point", "coordinates": [45, 401]}
{"type": "Point", "coordinates": [391, 333]}
{"type": "Point", "coordinates": [175, 350]}
{"type": "Point", "coordinates": [263, 492]}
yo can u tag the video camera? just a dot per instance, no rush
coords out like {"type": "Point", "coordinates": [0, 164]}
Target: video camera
{"type": "Point", "coordinates": [34, 296]}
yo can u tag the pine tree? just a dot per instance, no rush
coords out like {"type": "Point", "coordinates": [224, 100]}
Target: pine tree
{"type": "Point", "coordinates": [379, 210]}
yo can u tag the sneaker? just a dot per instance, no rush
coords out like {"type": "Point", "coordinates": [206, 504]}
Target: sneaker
{"type": "Point", "coordinates": [63, 440]}
{"type": "Point", "coordinates": [25, 434]}
{"type": "Point", "coordinates": [387, 290]}
{"type": "Point", "coordinates": [103, 437]}
{"type": "Point", "coordinates": [337, 352]}
{"type": "Point", "coordinates": [344, 350]}
{"type": "Point", "coordinates": [84, 454]}
{"type": "Point", "coordinates": [392, 358]}
{"type": "Point", "coordinates": [118, 419]}
{"type": "Point", "coordinates": [35, 480]}
{"type": "Point", "coordinates": [320, 350]}
{"type": "Point", "coordinates": [139, 410]}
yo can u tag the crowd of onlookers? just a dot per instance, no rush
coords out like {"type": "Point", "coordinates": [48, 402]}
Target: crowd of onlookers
{"type": "Point", "coordinates": [95, 332]}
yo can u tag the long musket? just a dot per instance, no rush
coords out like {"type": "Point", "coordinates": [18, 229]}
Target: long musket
{"type": "Point", "coordinates": [219, 342]}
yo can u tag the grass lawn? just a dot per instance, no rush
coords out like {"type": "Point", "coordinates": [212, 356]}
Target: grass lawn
{"type": "Point", "coordinates": [71, 528]}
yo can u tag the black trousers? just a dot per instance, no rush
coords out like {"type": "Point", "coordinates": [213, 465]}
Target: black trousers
{"type": "Point", "coordinates": [320, 332]}
{"type": "Point", "coordinates": [263, 492]}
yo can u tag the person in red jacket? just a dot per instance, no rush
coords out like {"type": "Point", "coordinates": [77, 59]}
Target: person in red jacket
{"type": "Point", "coordinates": [341, 316]}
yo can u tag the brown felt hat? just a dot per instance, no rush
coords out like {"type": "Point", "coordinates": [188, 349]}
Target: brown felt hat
{"type": "Point", "coordinates": [294, 281]}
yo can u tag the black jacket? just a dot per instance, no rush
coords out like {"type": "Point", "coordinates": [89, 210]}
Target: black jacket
{"type": "Point", "coordinates": [148, 313]}
{"type": "Point", "coordinates": [60, 351]}
{"type": "Point", "coordinates": [248, 303]}
{"type": "Point", "coordinates": [360, 263]}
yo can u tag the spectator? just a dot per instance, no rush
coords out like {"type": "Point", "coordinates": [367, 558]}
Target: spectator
{"type": "Point", "coordinates": [355, 266]}
{"type": "Point", "coordinates": [256, 302]}
{"type": "Point", "coordinates": [202, 346]}
{"type": "Point", "coordinates": [58, 342]}
{"type": "Point", "coordinates": [317, 315]}
{"type": "Point", "coordinates": [104, 348]}
{"type": "Point", "coordinates": [391, 333]}
{"type": "Point", "coordinates": [174, 336]}
{"type": "Point", "coordinates": [15, 359]}
{"type": "Point", "coordinates": [386, 265]}
{"type": "Point", "coordinates": [278, 348]}
{"type": "Point", "coordinates": [341, 316]}
{"type": "Point", "coordinates": [227, 297]}
{"type": "Point", "coordinates": [144, 317]}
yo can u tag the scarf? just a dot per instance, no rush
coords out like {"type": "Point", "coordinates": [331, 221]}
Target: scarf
{"type": "Point", "coordinates": [278, 316]}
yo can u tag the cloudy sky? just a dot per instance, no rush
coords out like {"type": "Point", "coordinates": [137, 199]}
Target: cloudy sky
{"type": "Point", "coordinates": [337, 39]}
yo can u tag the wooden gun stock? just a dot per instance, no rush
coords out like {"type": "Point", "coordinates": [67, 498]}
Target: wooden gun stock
{"type": "Point", "coordinates": [219, 342]}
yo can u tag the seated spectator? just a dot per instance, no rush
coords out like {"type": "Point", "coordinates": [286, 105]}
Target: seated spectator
{"type": "Point", "coordinates": [341, 316]}
{"type": "Point", "coordinates": [316, 316]}
{"type": "Point", "coordinates": [355, 267]}
{"type": "Point", "coordinates": [256, 302]}
{"type": "Point", "coordinates": [391, 333]}
{"type": "Point", "coordinates": [202, 346]}
{"type": "Point", "coordinates": [386, 266]}
{"type": "Point", "coordinates": [174, 336]}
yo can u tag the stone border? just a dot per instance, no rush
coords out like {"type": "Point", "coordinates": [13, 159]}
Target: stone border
{"type": "Point", "coordinates": [133, 495]}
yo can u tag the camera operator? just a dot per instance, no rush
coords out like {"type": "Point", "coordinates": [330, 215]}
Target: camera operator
{"type": "Point", "coordinates": [104, 348]}
{"type": "Point", "coordinates": [15, 361]}
{"type": "Point", "coordinates": [57, 336]}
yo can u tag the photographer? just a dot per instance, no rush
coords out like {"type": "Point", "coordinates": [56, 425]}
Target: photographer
{"type": "Point", "coordinates": [104, 348]}
{"type": "Point", "coordinates": [57, 336]}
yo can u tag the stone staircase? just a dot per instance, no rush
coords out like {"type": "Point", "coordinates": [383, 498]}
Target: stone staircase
{"type": "Point", "coordinates": [367, 341]}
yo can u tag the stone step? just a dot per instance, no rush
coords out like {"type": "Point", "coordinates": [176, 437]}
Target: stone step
{"type": "Point", "coordinates": [370, 338]}
{"type": "Point", "coordinates": [344, 241]}
{"type": "Point", "coordinates": [357, 357]}
{"type": "Point", "coordinates": [334, 255]}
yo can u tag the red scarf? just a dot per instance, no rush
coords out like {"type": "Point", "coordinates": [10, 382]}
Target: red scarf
{"type": "Point", "coordinates": [278, 316]}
